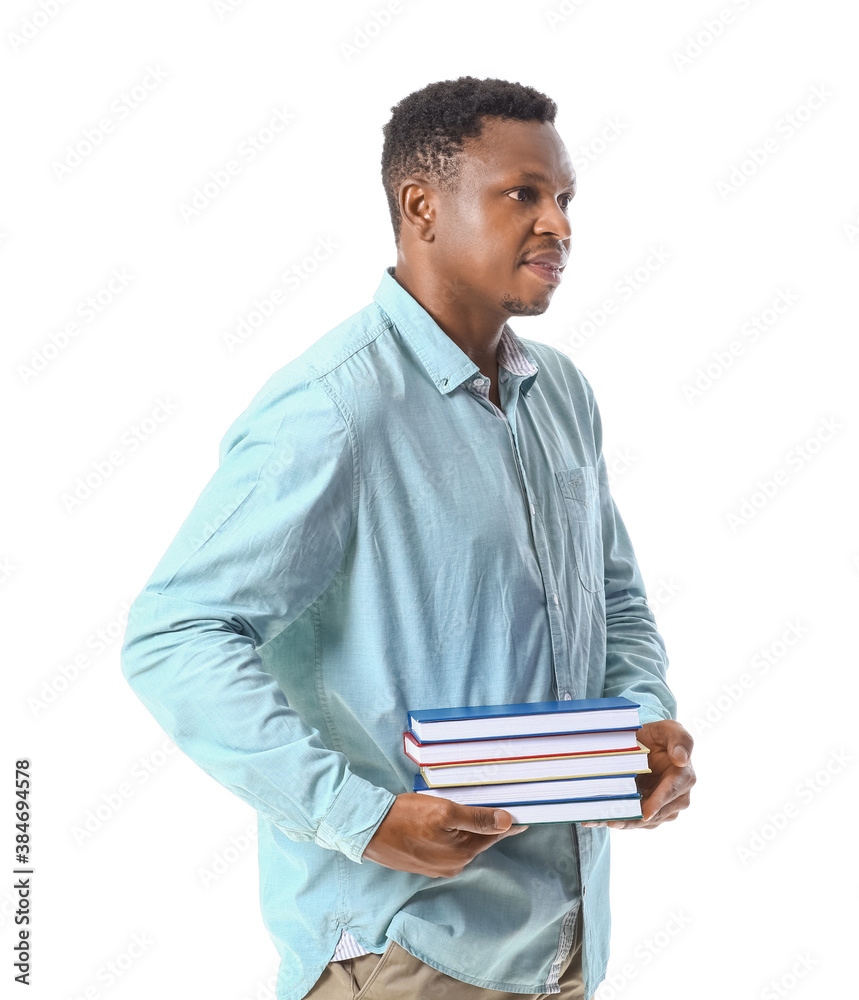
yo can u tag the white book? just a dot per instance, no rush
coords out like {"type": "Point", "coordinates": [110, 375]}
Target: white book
{"type": "Point", "coordinates": [584, 765]}
{"type": "Point", "coordinates": [561, 745]}
{"type": "Point", "coordinates": [578, 811]}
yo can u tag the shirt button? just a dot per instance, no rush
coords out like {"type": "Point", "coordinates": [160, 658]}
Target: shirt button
{"type": "Point", "coordinates": [555, 599]}
{"type": "Point", "coordinates": [568, 696]}
{"type": "Point", "coordinates": [477, 381]}
{"type": "Point", "coordinates": [533, 509]}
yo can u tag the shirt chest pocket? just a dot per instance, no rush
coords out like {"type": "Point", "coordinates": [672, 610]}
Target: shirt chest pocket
{"type": "Point", "coordinates": [580, 498]}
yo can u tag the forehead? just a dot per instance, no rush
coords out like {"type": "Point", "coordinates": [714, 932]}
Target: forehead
{"type": "Point", "coordinates": [508, 149]}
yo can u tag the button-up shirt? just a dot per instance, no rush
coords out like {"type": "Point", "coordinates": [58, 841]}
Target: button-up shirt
{"type": "Point", "coordinates": [510, 360]}
{"type": "Point", "coordinates": [375, 540]}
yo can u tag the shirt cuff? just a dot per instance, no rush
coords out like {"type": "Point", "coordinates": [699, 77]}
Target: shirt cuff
{"type": "Point", "coordinates": [646, 714]}
{"type": "Point", "coordinates": [354, 817]}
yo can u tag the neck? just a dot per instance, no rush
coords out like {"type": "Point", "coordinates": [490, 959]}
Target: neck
{"type": "Point", "coordinates": [469, 324]}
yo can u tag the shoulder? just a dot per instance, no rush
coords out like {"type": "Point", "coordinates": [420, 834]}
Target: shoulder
{"type": "Point", "coordinates": [314, 371]}
{"type": "Point", "coordinates": [320, 361]}
{"type": "Point", "coordinates": [301, 398]}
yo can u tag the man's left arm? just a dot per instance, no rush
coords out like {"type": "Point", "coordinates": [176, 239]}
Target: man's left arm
{"type": "Point", "coordinates": [636, 665]}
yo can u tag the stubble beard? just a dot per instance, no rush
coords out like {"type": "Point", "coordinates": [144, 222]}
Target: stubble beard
{"type": "Point", "coordinates": [518, 307]}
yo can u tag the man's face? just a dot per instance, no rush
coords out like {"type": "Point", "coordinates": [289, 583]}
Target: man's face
{"type": "Point", "coordinates": [510, 207]}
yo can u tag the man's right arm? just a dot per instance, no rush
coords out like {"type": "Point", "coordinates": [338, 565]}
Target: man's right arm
{"type": "Point", "coordinates": [262, 542]}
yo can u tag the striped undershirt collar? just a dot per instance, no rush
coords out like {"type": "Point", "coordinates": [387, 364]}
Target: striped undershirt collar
{"type": "Point", "coordinates": [510, 355]}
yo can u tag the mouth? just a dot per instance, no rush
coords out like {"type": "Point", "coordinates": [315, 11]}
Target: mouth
{"type": "Point", "coordinates": [550, 273]}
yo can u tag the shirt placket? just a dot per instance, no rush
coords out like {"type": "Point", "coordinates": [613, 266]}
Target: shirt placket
{"type": "Point", "coordinates": [562, 666]}
{"type": "Point", "coordinates": [561, 661]}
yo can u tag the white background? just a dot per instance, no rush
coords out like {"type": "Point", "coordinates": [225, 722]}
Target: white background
{"type": "Point", "coordinates": [756, 883]}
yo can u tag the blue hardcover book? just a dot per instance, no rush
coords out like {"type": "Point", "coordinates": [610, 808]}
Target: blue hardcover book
{"type": "Point", "coordinates": [540, 718]}
{"type": "Point", "coordinates": [561, 810]}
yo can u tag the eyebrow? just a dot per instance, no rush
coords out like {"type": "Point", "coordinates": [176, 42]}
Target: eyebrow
{"type": "Point", "coordinates": [539, 178]}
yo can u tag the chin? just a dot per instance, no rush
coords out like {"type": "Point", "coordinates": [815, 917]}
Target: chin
{"type": "Point", "coordinates": [522, 307]}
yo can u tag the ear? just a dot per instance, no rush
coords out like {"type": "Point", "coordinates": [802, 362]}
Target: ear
{"type": "Point", "coordinates": [417, 201]}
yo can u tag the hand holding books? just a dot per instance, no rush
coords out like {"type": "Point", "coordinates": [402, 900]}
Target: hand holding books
{"type": "Point", "coordinates": [544, 762]}
{"type": "Point", "coordinates": [438, 829]}
{"type": "Point", "coordinates": [668, 784]}
{"type": "Point", "coordinates": [435, 837]}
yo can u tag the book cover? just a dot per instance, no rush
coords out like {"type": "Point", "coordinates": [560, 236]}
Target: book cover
{"type": "Point", "coordinates": [524, 719]}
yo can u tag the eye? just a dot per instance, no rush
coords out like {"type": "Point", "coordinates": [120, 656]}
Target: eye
{"type": "Point", "coordinates": [527, 192]}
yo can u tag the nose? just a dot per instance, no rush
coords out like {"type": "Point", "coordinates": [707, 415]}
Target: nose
{"type": "Point", "coordinates": [553, 220]}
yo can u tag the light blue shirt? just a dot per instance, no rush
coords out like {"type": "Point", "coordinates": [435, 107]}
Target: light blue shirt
{"type": "Point", "coordinates": [374, 541]}
{"type": "Point", "coordinates": [511, 360]}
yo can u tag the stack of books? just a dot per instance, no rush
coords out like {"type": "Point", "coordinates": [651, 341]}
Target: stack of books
{"type": "Point", "coordinates": [569, 761]}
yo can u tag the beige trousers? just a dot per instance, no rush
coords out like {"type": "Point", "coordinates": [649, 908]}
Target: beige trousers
{"type": "Point", "coordinates": [398, 975]}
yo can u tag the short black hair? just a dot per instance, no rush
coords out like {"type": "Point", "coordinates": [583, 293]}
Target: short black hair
{"type": "Point", "coordinates": [426, 130]}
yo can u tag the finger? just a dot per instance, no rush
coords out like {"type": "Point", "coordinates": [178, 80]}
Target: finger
{"type": "Point", "coordinates": [478, 819]}
{"type": "Point", "coordinates": [618, 824]}
{"type": "Point", "coordinates": [675, 805]}
{"type": "Point", "coordinates": [673, 794]}
{"type": "Point", "coordinates": [642, 824]}
{"type": "Point", "coordinates": [680, 747]}
{"type": "Point", "coordinates": [670, 811]}
{"type": "Point", "coordinates": [651, 818]}
{"type": "Point", "coordinates": [673, 784]}
{"type": "Point", "coordinates": [511, 832]}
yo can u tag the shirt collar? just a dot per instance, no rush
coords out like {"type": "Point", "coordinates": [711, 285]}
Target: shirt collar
{"type": "Point", "coordinates": [446, 363]}
{"type": "Point", "coordinates": [512, 355]}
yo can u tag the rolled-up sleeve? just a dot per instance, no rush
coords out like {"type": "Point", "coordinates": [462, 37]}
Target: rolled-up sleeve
{"type": "Point", "coordinates": [636, 657]}
{"type": "Point", "coordinates": [261, 544]}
